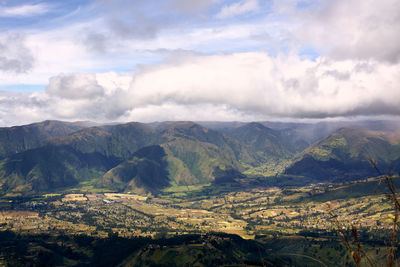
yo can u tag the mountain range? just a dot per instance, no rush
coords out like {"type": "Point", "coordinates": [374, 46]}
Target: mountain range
{"type": "Point", "coordinates": [145, 158]}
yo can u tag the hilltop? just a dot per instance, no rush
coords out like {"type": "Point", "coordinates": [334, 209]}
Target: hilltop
{"type": "Point", "coordinates": [146, 158]}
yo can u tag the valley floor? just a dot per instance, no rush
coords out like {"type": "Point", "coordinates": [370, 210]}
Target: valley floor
{"type": "Point", "coordinates": [306, 214]}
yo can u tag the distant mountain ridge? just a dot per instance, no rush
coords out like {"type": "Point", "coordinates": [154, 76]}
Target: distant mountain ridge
{"type": "Point", "coordinates": [147, 157]}
{"type": "Point", "coordinates": [95, 153]}
{"type": "Point", "coordinates": [20, 138]}
{"type": "Point", "coordinates": [345, 154]}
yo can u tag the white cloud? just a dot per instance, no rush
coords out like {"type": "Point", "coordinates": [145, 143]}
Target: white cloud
{"type": "Point", "coordinates": [286, 86]}
{"type": "Point", "coordinates": [240, 86]}
{"type": "Point", "coordinates": [347, 29]}
{"type": "Point", "coordinates": [24, 10]}
{"type": "Point", "coordinates": [17, 108]}
{"type": "Point", "coordinates": [75, 86]}
{"type": "Point", "coordinates": [356, 71]}
{"type": "Point", "coordinates": [143, 20]}
{"type": "Point", "coordinates": [238, 8]}
{"type": "Point", "coordinates": [15, 56]}
{"type": "Point", "coordinates": [116, 55]}
{"type": "Point", "coordinates": [198, 112]}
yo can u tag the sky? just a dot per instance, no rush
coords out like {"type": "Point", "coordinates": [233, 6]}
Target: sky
{"type": "Point", "coordinates": [200, 60]}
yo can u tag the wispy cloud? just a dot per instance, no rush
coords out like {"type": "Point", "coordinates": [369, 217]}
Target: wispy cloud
{"type": "Point", "coordinates": [15, 57]}
{"type": "Point", "coordinates": [335, 30]}
{"type": "Point", "coordinates": [24, 10]}
{"type": "Point", "coordinates": [238, 8]}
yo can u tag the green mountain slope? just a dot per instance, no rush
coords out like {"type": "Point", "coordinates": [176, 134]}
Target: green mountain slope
{"type": "Point", "coordinates": [115, 140]}
{"type": "Point", "coordinates": [145, 158]}
{"type": "Point", "coordinates": [266, 142]}
{"type": "Point", "coordinates": [192, 153]}
{"type": "Point", "coordinates": [195, 151]}
{"type": "Point", "coordinates": [149, 158]}
{"type": "Point", "coordinates": [50, 168]}
{"type": "Point", "coordinates": [345, 155]}
{"type": "Point", "coordinates": [20, 138]}
{"type": "Point", "coordinates": [145, 172]}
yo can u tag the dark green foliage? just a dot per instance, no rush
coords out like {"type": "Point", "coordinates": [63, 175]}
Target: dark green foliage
{"type": "Point", "coordinates": [231, 149]}
{"type": "Point", "coordinates": [344, 155]}
{"type": "Point", "coordinates": [189, 150]}
{"type": "Point", "coordinates": [54, 155]}
{"type": "Point", "coordinates": [194, 151]}
{"type": "Point", "coordinates": [112, 141]}
{"type": "Point", "coordinates": [146, 172]}
{"type": "Point", "coordinates": [264, 141]}
{"type": "Point", "coordinates": [331, 169]}
{"type": "Point", "coordinates": [226, 176]}
{"type": "Point", "coordinates": [20, 138]}
{"type": "Point", "coordinates": [186, 250]}
{"type": "Point", "coordinates": [50, 167]}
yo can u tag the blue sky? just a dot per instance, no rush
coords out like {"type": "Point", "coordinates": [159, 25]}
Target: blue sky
{"type": "Point", "coordinates": [100, 33]}
{"type": "Point", "coordinates": [309, 59]}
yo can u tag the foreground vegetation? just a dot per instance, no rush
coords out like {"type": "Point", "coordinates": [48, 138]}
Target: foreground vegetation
{"type": "Point", "coordinates": [213, 249]}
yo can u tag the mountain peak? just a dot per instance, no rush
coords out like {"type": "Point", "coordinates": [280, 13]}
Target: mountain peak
{"type": "Point", "coordinates": [180, 124]}
{"type": "Point", "coordinates": [256, 126]}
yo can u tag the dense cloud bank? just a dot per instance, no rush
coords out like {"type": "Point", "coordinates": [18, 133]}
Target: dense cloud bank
{"type": "Point", "coordinates": [220, 87]}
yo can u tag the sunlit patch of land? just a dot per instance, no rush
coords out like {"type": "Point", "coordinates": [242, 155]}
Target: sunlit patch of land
{"type": "Point", "coordinates": [245, 212]}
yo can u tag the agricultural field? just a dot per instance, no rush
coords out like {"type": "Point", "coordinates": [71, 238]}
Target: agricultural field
{"type": "Point", "coordinates": [250, 212]}
{"type": "Point", "coordinates": [306, 215]}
